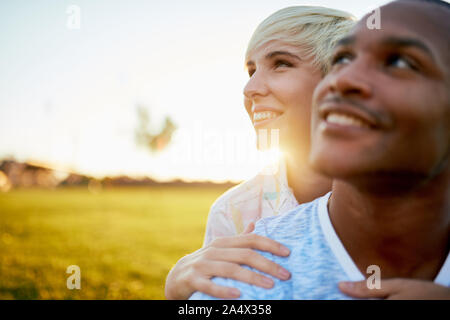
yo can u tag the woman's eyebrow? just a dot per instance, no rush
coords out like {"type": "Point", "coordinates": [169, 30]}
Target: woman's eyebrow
{"type": "Point", "coordinates": [272, 54]}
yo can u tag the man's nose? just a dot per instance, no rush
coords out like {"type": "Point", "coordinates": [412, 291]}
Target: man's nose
{"type": "Point", "coordinates": [353, 79]}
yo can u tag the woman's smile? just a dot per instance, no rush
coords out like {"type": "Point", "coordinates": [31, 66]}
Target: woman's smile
{"type": "Point", "coordinates": [263, 117]}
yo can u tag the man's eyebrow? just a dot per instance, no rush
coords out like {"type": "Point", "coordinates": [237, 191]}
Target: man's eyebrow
{"type": "Point", "coordinates": [407, 42]}
{"type": "Point", "coordinates": [393, 42]}
{"type": "Point", "coordinates": [346, 41]}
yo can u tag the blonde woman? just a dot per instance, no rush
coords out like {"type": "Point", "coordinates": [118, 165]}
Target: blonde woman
{"type": "Point", "coordinates": [287, 56]}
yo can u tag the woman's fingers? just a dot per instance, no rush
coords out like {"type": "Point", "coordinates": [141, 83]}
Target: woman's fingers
{"type": "Point", "coordinates": [200, 278]}
{"type": "Point", "coordinates": [223, 258]}
{"type": "Point", "coordinates": [208, 287]}
{"type": "Point", "coordinates": [236, 272]}
{"type": "Point", "coordinates": [253, 241]}
{"type": "Point", "coordinates": [250, 258]}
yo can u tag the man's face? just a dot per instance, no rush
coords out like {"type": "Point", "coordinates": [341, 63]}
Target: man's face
{"type": "Point", "coordinates": [384, 108]}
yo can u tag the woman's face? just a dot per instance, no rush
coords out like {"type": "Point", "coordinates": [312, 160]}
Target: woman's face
{"type": "Point", "coordinates": [279, 92]}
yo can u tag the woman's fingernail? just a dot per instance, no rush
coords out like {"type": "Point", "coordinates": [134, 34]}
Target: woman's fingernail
{"type": "Point", "coordinates": [234, 292]}
{"type": "Point", "coordinates": [284, 274]}
{"type": "Point", "coordinates": [284, 251]}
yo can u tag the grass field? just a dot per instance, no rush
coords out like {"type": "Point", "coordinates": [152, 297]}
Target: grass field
{"type": "Point", "coordinates": [124, 240]}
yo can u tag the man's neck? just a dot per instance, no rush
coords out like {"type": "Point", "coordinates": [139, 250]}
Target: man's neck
{"type": "Point", "coordinates": [406, 235]}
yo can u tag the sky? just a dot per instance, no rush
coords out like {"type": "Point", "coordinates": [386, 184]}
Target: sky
{"type": "Point", "coordinates": [69, 91]}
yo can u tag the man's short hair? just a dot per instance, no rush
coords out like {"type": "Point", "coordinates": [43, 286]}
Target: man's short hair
{"type": "Point", "coordinates": [438, 2]}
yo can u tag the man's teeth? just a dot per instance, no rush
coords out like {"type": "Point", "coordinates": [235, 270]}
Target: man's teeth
{"type": "Point", "coordinates": [259, 116]}
{"type": "Point", "coordinates": [345, 120]}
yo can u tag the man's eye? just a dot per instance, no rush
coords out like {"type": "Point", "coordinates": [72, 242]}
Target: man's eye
{"type": "Point", "coordinates": [341, 58]}
{"type": "Point", "coordinates": [398, 61]}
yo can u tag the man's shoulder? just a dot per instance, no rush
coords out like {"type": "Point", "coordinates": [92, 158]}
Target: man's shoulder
{"type": "Point", "coordinates": [293, 223]}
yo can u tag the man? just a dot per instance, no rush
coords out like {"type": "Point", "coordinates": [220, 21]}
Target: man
{"type": "Point", "coordinates": [381, 130]}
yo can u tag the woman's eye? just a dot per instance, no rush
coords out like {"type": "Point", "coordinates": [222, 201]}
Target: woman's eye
{"type": "Point", "coordinates": [251, 72]}
{"type": "Point", "coordinates": [281, 63]}
{"type": "Point", "coordinates": [400, 62]}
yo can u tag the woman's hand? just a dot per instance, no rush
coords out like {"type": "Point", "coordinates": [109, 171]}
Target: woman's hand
{"type": "Point", "coordinates": [397, 289]}
{"type": "Point", "coordinates": [223, 258]}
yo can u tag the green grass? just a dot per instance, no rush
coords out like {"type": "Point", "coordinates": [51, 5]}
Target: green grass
{"type": "Point", "coordinates": [124, 240]}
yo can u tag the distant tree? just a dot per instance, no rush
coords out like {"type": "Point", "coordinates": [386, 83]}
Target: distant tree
{"type": "Point", "coordinates": [147, 138]}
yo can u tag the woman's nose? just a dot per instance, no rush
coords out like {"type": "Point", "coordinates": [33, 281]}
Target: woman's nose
{"type": "Point", "coordinates": [256, 86]}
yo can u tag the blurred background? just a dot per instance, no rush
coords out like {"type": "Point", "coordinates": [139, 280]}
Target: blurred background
{"type": "Point", "coordinates": [120, 124]}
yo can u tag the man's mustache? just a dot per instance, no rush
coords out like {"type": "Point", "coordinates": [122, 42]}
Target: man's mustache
{"type": "Point", "coordinates": [380, 117]}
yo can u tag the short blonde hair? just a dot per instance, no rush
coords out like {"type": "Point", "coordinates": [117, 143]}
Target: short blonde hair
{"type": "Point", "coordinates": [315, 29]}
